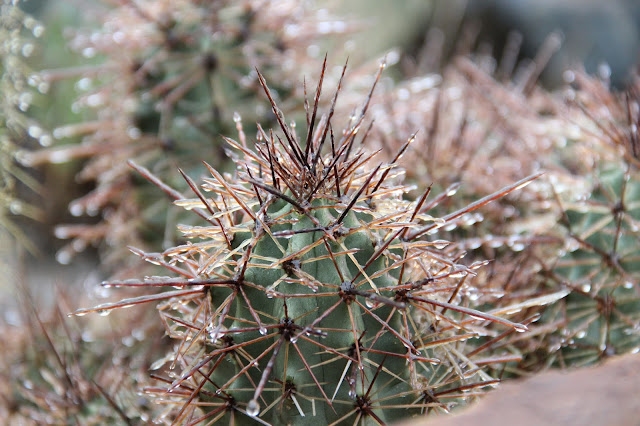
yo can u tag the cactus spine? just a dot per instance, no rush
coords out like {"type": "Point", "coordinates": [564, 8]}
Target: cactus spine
{"type": "Point", "coordinates": [313, 293]}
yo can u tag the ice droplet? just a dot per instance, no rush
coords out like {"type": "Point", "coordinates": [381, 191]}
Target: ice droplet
{"type": "Point", "coordinates": [253, 408]}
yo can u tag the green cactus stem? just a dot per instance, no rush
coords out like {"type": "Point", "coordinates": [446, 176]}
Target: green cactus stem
{"type": "Point", "coordinates": [312, 292]}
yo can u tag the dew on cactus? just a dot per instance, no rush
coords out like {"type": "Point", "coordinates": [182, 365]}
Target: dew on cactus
{"type": "Point", "coordinates": [311, 290]}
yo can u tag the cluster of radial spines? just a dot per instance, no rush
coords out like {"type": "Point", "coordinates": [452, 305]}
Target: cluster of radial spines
{"type": "Point", "coordinates": [313, 292]}
{"type": "Point", "coordinates": [598, 261]}
{"type": "Point", "coordinates": [170, 77]}
{"type": "Point", "coordinates": [482, 125]}
{"type": "Point", "coordinates": [594, 258]}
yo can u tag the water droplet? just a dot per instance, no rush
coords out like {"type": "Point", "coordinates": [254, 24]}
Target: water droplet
{"type": "Point", "coordinates": [63, 257]}
{"type": "Point", "coordinates": [57, 157]}
{"type": "Point", "coordinates": [628, 284]}
{"type": "Point", "coordinates": [263, 330]}
{"type": "Point", "coordinates": [76, 209]}
{"type": "Point", "coordinates": [474, 244]}
{"type": "Point", "coordinates": [253, 408]}
{"type": "Point", "coordinates": [494, 242]}
{"type": "Point", "coordinates": [581, 334]}
{"type": "Point", "coordinates": [138, 334]}
{"type": "Point", "coordinates": [37, 31]}
{"type": "Point", "coordinates": [478, 264]}
{"type": "Point", "coordinates": [635, 350]}
{"type": "Point", "coordinates": [586, 288]}
{"type": "Point", "coordinates": [293, 339]}
{"type": "Point", "coordinates": [15, 207]}
{"type": "Point", "coordinates": [88, 52]}
{"type": "Point", "coordinates": [440, 244]}
{"type": "Point", "coordinates": [45, 140]}
{"type": "Point", "coordinates": [450, 227]}
{"type": "Point", "coordinates": [43, 87]}
{"type": "Point", "coordinates": [34, 131]}
{"type": "Point", "coordinates": [134, 133]}
{"type": "Point", "coordinates": [83, 84]}
{"type": "Point", "coordinates": [79, 245]}
{"type": "Point", "coordinates": [104, 312]}
{"type": "Point", "coordinates": [27, 49]}
{"type": "Point", "coordinates": [87, 336]}
{"type": "Point", "coordinates": [517, 247]}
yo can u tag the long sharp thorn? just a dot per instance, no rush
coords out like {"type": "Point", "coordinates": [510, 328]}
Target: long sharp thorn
{"type": "Point", "coordinates": [202, 198]}
{"type": "Point", "coordinates": [326, 127]}
{"type": "Point", "coordinates": [356, 196]}
{"type": "Point", "coordinates": [392, 163]}
{"type": "Point", "coordinates": [479, 203]}
{"type": "Point", "coordinates": [312, 122]}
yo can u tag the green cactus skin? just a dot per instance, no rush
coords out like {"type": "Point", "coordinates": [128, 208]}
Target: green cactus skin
{"type": "Point", "coordinates": [602, 314]}
{"type": "Point", "coordinates": [312, 295]}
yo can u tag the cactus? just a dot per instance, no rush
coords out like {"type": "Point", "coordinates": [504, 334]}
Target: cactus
{"type": "Point", "coordinates": [160, 81]}
{"type": "Point", "coordinates": [313, 294]}
{"type": "Point", "coordinates": [598, 263]}
{"type": "Point", "coordinates": [17, 33]}
{"type": "Point", "coordinates": [58, 370]}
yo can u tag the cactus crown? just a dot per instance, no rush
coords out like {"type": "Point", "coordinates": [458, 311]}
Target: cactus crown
{"type": "Point", "coordinates": [313, 291]}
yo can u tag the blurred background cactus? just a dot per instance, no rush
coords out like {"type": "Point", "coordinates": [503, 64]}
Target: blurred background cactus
{"type": "Point", "coordinates": [18, 35]}
{"type": "Point", "coordinates": [484, 99]}
{"type": "Point", "coordinates": [159, 83]}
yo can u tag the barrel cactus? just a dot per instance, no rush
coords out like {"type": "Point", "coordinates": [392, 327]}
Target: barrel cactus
{"type": "Point", "coordinates": [599, 261]}
{"type": "Point", "coordinates": [315, 290]}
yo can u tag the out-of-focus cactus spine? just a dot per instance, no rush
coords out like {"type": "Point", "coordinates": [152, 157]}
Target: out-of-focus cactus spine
{"type": "Point", "coordinates": [162, 80]}
{"type": "Point", "coordinates": [599, 263]}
